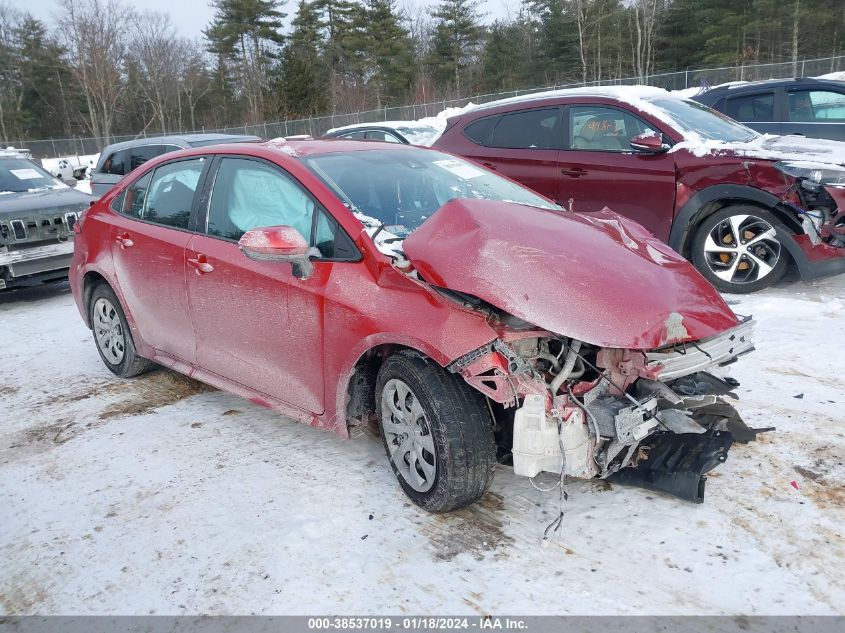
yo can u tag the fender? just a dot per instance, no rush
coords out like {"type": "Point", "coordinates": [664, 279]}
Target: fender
{"type": "Point", "coordinates": [142, 347]}
{"type": "Point", "coordinates": [680, 226]}
{"type": "Point", "coordinates": [355, 353]}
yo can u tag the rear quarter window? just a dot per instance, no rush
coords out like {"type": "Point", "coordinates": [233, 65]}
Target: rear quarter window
{"type": "Point", "coordinates": [479, 131]}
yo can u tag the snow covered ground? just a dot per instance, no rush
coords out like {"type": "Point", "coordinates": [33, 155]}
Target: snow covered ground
{"type": "Point", "coordinates": [159, 495]}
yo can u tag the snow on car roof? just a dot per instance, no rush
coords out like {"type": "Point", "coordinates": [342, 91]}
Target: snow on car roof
{"type": "Point", "coordinates": [622, 93]}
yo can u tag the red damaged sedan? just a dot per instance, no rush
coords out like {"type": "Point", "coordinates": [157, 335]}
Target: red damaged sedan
{"type": "Point", "coordinates": [344, 282]}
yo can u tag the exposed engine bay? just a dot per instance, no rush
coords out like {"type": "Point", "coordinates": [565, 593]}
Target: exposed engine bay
{"type": "Point", "coordinates": [586, 379]}
{"type": "Point", "coordinates": [657, 419]}
{"type": "Point", "coordinates": [822, 212]}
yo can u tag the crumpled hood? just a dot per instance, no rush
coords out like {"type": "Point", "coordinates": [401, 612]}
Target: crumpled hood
{"type": "Point", "coordinates": [596, 277]}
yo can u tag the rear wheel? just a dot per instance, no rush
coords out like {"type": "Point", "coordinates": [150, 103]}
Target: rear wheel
{"type": "Point", "coordinates": [112, 335]}
{"type": "Point", "coordinates": [738, 251]}
{"type": "Point", "coordinates": [437, 433]}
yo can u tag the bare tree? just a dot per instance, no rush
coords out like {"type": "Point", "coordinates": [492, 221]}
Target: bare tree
{"type": "Point", "coordinates": [796, 20]}
{"type": "Point", "coordinates": [11, 92]}
{"type": "Point", "coordinates": [646, 15]}
{"type": "Point", "coordinates": [156, 52]}
{"type": "Point", "coordinates": [581, 14]}
{"type": "Point", "coordinates": [94, 33]}
{"type": "Point", "coordinates": [195, 81]}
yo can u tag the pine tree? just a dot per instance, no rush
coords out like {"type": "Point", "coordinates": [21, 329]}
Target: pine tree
{"type": "Point", "coordinates": [389, 51]}
{"type": "Point", "coordinates": [457, 34]}
{"type": "Point", "coordinates": [299, 81]}
{"type": "Point", "coordinates": [249, 31]}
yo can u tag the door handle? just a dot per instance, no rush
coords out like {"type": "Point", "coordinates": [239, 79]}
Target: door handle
{"type": "Point", "coordinates": [124, 240]}
{"type": "Point", "coordinates": [575, 172]}
{"type": "Point", "coordinates": [200, 265]}
{"type": "Point", "coordinates": [489, 166]}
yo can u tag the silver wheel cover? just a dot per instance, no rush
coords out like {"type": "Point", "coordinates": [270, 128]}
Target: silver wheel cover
{"type": "Point", "coordinates": [742, 249]}
{"type": "Point", "coordinates": [108, 331]}
{"type": "Point", "coordinates": [407, 433]}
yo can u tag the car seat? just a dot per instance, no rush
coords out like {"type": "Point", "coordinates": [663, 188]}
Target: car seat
{"type": "Point", "coordinates": [595, 133]}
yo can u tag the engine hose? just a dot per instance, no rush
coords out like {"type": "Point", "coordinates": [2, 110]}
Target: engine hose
{"type": "Point", "coordinates": [563, 374]}
{"type": "Point", "coordinates": [551, 359]}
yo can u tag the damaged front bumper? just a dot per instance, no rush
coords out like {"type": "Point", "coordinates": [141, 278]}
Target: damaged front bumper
{"type": "Point", "coordinates": [820, 250]}
{"type": "Point", "coordinates": [656, 419]}
{"type": "Point", "coordinates": [18, 267]}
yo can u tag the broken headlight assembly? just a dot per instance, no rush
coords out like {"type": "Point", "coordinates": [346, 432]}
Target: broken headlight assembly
{"type": "Point", "coordinates": [819, 173]}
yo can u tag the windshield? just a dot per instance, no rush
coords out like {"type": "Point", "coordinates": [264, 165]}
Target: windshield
{"type": "Point", "coordinates": [699, 121]}
{"type": "Point", "coordinates": [402, 188]}
{"type": "Point", "coordinates": [18, 175]}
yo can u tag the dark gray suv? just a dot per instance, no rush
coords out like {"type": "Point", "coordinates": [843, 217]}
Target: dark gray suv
{"type": "Point", "coordinates": [121, 158]}
{"type": "Point", "coordinates": [805, 107]}
{"type": "Point", "coordinates": [37, 215]}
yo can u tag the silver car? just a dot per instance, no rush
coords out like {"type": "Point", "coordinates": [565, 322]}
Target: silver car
{"type": "Point", "coordinates": [117, 160]}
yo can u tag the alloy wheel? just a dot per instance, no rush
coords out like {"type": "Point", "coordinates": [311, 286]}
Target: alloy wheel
{"type": "Point", "coordinates": [108, 331]}
{"type": "Point", "coordinates": [408, 435]}
{"type": "Point", "coordinates": [742, 249]}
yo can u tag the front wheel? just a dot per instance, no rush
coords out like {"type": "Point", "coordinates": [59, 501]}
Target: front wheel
{"type": "Point", "coordinates": [738, 251]}
{"type": "Point", "coordinates": [437, 433]}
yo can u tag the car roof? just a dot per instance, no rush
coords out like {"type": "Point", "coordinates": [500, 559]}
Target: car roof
{"type": "Point", "coordinates": [314, 147]}
{"type": "Point", "coordinates": [741, 86]}
{"type": "Point", "coordinates": [619, 93]}
{"type": "Point", "coordinates": [292, 149]}
{"type": "Point", "coordinates": [176, 139]}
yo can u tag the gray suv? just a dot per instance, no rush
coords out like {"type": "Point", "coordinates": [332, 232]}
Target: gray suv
{"type": "Point", "coordinates": [37, 215]}
{"type": "Point", "coordinates": [804, 107]}
{"type": "Point", "coordinates": [119, 159]}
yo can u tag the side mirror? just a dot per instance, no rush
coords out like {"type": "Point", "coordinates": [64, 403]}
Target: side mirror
{"type": "Point", "coordinates": [649, 143]}
{"type": "Point", "coordinates": [70, 182]}
{"type": "Point", "coordinates": [278, 244]}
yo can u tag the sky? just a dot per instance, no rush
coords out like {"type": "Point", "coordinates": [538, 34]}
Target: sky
{"type": "Point", "coordinates": [192, 16]}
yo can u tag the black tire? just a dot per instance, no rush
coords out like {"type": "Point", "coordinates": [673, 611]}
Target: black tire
{"type": "Point", "coordinates": [769, 250]}
{"type": "Point", "coordinates": [130, 364]}
{"type": "Point", "coordinates": [457, 418]}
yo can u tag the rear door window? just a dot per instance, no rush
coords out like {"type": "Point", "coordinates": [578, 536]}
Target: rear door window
{"type": "Point", "coordinates": [356, 136]}
{"type": "Point", "coordinates": [171, 193]}
{"type": "Point", "coordinates": [140, 155]}
{"type": "Point", "coordinates": [752, 108]}
{"type": "Point", "coordinates": [816, 105]}
{"type": "Point", "coordinates": [530, 129]}
{"type": "Point", "coordinates": [381, 135]}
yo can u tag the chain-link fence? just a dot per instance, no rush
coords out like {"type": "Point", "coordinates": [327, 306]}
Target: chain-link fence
{"type": "Point", "coordinates": [315, 126]}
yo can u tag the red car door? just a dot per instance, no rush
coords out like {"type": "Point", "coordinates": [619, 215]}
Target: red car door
{"type": "Point", "coordinates": [524, 146]}
{"type": "Point", "coordinates": [599, 169]}
{"type": "Point", "coordinates": [257, 324]}
{"type": "Point", "coordinates": [149, 237]}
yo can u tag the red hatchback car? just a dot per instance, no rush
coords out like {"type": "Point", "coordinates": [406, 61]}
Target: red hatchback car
{"type": "Point", "coordinates": [740, 205]}
{"type": "Point", "coordinates": [344, 282]}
